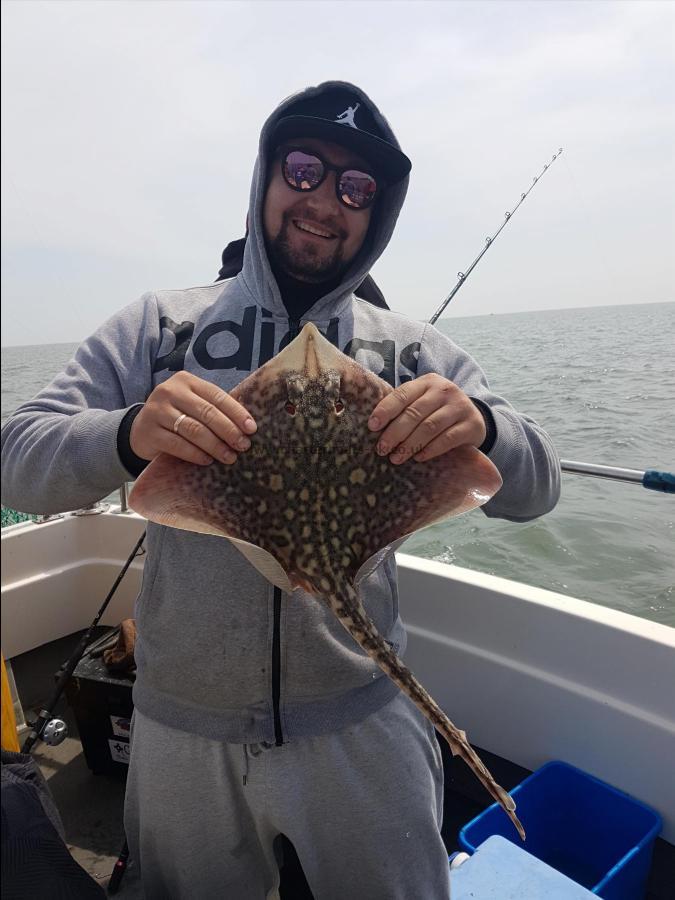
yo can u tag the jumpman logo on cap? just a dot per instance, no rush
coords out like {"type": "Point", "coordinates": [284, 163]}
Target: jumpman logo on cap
{"type": "Point", "coordinates": [347, 117]}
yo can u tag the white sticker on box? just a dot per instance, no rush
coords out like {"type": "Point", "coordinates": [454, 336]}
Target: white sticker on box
{"type": "Point", "coordinates": [119, 750]}
{"type": "Point", "coordinates": [121, 726]}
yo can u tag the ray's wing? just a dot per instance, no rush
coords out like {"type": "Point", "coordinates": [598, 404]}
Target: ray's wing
{"type": "Point", "coordinates": [204, 499]}
{"type": "Point", "coordinates": [242, 501]}
{"type": "Point", "coordinates": [378, 503]}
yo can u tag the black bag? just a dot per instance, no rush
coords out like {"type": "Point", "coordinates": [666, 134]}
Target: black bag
{"type": "Point", "coordinates": [35, 859]}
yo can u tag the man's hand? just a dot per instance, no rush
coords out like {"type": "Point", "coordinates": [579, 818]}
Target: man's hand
{"type": "Point", "coordinates": [425, 418]}
{"type": "Point", "coordinates": [214, 425]}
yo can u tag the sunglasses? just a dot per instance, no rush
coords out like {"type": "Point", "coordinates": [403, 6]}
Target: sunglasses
{"type": "Point", "coordinates": [305, 171]}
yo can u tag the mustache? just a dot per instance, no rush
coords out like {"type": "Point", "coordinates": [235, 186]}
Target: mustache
{"type": "Point", "coordinates": [300, 211]}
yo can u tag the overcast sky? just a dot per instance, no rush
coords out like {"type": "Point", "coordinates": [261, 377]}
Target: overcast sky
{"type": "Point", "coordinates": [129, 132]}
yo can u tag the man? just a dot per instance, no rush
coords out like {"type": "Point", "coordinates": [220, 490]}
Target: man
{"type": "Point", "coordinates": [255, 712]}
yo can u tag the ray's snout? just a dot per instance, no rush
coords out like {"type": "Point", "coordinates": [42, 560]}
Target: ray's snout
{"type": "Point", "coordinates": [312, 361]}
{"type": "Point", "coordinates": [311, 353]}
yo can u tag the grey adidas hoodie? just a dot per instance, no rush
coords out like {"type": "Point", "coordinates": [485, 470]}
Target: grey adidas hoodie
{"type": "Point", "coordinates": [221, 652]}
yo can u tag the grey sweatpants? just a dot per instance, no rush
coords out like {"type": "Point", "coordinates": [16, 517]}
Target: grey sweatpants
{"type": "Point", "coordinates": [362, 808]}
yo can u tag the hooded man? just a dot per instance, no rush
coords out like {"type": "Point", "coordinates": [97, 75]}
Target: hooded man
{"type": "Point", "coordinates": [256, 714]}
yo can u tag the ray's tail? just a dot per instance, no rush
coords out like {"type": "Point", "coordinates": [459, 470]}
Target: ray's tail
{"type": "Point", "coordinates": [352, 615]}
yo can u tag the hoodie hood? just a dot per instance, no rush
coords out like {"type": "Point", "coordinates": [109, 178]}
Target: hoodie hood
{"type": "Point", "coordinates": [257, 274]}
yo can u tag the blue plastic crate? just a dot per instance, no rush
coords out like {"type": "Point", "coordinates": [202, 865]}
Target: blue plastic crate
{"type": "Point", "coordinates": [588, 830]}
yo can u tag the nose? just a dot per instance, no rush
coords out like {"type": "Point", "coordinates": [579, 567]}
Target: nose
{"type": "Point", "coordinates": [326, 193]}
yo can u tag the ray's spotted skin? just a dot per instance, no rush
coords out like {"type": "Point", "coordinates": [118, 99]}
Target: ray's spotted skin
{"type": "Point", "coordinates": [311, 503]}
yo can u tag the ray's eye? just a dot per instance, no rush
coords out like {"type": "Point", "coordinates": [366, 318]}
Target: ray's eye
{"type": "Point", "coordinates": [339, 406]}
{"type": "Point", "coordinates": [290, 408]}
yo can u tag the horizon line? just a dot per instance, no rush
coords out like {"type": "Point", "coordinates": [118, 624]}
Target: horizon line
{"type": "Point", "coordinates": [511, 312]}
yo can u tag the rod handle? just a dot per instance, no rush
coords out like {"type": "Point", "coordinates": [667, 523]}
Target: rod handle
{"type": "Point", "coordinates": [659, 481]}
{"type": "Point", "coordinates": [119, 870]}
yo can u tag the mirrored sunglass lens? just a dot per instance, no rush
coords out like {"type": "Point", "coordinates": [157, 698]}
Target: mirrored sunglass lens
{"type": "Point", "coordinates": [357, 189]}
{"type": "Point", "coordinates": [302, 171]}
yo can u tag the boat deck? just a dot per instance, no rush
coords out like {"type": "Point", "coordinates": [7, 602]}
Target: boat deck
{"type": "Point", "coordinates": [91, 806]}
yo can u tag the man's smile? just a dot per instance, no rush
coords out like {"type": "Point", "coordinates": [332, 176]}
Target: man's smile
{"type": "Point", "coordinates": [313, 229]}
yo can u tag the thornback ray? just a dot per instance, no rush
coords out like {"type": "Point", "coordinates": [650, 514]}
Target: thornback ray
{"type": "Point", "coordinates": [313, 506]}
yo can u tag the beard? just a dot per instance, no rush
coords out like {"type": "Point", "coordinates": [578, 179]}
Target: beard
{"type": "Point", "coordinates": [309, 262]}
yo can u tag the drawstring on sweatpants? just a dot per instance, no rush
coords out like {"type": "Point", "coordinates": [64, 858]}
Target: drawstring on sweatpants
{"type": "Point", "coordinates": [253, 750]}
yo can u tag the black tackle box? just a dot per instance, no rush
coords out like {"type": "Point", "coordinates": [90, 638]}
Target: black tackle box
{"type": "Point", "coordinates": [102, 706]}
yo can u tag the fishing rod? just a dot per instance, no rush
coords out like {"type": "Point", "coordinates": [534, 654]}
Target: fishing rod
{"type": "Point", "coordinates": [489, 241]}
{"type": "Point", "coordinates": [652, 479]}
{"type": "Point", "coordinates": [46, 728]}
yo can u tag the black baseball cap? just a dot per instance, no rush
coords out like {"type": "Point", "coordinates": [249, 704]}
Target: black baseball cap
{"type": "Point", "coordinates": [343, 117]}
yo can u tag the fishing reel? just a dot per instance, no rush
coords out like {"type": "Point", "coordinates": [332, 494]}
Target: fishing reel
{"type": "Point", "coordinates": [56, 731]}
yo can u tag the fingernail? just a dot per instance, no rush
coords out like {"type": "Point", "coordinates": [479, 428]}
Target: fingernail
{"type": "Point", "coordinates": [382, 449]}
{"type": "Point", "coordinates": [243, 443]}
{"type": "Point", "coordinates": [228, 456]}
{"type": "Point", "coordinates": [249, 425]}
{"type": "Point", "coordinates": [373, 422]}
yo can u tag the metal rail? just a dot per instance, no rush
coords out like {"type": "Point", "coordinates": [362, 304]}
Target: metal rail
{"type": "Point", "coordinates": [652, 479]}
